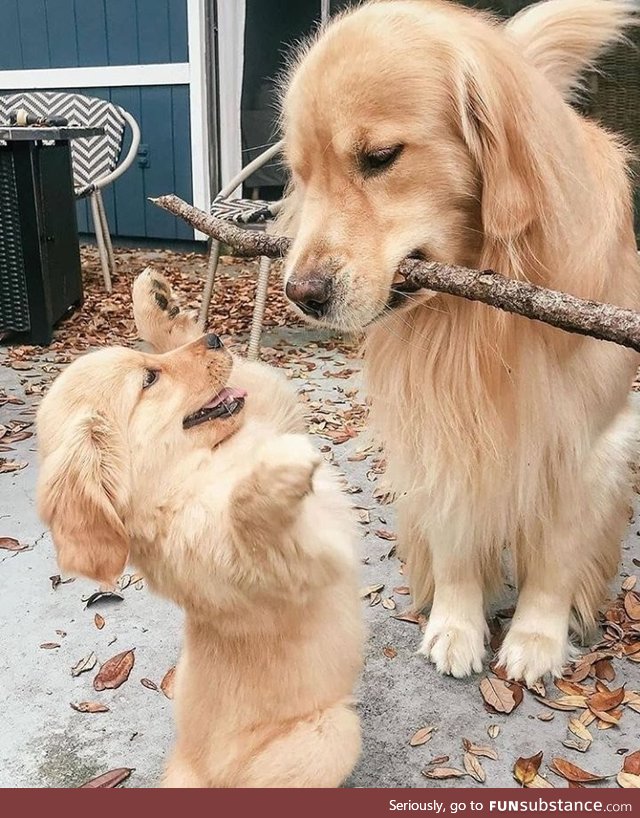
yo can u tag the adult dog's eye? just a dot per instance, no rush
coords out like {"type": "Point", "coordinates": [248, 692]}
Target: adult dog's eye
{"type": "Point", "coordinates": [374, 162]}
{"type": "Point", "coordinates": [149, 378]}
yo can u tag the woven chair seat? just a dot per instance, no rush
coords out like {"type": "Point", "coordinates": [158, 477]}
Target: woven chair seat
{"type": "Point", "coordinates": [244, 211]}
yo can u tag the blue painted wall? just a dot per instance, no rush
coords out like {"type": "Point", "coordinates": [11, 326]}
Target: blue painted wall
{"type": "Point", "coordinates": [41, 34]}
{"type": "Point", "coordinates": [70, 33]}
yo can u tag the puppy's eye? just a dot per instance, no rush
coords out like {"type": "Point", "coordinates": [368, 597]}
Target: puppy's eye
{"type": "Point", "coordinates": [374, 162]}
{"type": "Point", "coordinates": [149, 378]}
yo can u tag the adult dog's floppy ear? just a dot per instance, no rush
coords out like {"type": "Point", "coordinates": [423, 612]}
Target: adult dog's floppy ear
{"type": "Point", "coordinates": [493, 129]}
{"type": "Point", "coordinates": [81, 489]}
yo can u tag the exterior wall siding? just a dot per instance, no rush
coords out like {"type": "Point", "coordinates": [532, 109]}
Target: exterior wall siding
{"type": "Point", "coordinates": [38, 34]}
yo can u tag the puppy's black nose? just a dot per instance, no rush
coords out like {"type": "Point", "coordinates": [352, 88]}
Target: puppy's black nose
{"type": "Point", "coordinates": [312, 294]}
{"type": "Point", "coordinates": [213, 341]}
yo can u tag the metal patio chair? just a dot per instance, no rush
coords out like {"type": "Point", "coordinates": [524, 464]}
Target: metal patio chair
{"type": "Point", "coordinates": [251, 214]}
{"type": "Point", "coordinates": [95, 160]}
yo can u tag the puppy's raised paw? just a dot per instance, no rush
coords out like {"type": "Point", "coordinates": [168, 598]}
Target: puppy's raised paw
{"type": "Point", "coordinates": [156, 311]}
{"type": "Point", "coordinates": [288, 463]}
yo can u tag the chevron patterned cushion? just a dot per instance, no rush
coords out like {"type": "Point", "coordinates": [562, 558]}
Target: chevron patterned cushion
{"type": "Point", "coordinates": [243, 211]}
{"type": "Point", "coordinates": [94, 157]}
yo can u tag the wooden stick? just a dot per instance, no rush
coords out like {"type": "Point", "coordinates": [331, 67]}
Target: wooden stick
{"type": "Point", "coordinates": [562, 310]}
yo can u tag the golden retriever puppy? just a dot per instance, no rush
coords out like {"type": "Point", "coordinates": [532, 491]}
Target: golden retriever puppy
{"type": "Point", "coordinates": [191, 464]}
{"type": "Point", "coordinates": [420, 128]}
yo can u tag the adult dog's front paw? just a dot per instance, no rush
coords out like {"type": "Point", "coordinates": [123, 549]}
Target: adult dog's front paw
{"type": "Point", "coordinates": [528, 654]}
{"type": "Point", "coordinates": [456, 647]}
{"type": "Point", "coordinates": [155, 309]}
{"type": "Point", "coordinates": [288, 464]}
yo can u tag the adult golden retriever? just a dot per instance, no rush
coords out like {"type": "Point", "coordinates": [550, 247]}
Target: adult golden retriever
{"type": "Point", "coordinates": [192, 464]}
{"type": "Point", "coordinates": [426, 129]}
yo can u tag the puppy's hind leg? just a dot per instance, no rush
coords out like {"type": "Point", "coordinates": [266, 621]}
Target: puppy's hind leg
{"type": "Point", "coordinates": [159, 319]}
{"type": "Point", "coordinates": [320, 751]}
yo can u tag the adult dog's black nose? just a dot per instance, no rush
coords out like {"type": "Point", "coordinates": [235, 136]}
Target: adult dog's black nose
{"type": "Point", "coordinates": [311, 294]}
{"type": "Point", "coordinates": [213, 341]}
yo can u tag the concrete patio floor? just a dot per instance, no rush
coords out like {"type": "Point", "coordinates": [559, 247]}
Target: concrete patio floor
{"type": "Point", "coordinates": [45, 743]}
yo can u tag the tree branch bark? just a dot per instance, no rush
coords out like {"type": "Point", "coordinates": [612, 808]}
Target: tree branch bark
{"type": "Point", "coordinates": [562, 310]}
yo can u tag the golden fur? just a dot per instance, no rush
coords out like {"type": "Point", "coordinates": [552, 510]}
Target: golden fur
{"type": "Point", "coordinates": [240, 522]}
{"type": "Point", "coordinates": [500, 432]}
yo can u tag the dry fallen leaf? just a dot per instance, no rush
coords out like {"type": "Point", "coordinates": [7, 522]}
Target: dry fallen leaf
{"type": "Point", "coordinates": [49, 645]}
{"type": "Point", "coordinates": [604, 670]}
{"type": "Point", "coordinates": [389, 651]}
{"type": "Point", "coordinates": [476, 750]}
{"type": "Point", "coordinates": [540, 783]}
{"type": "Point", "coordinates": [578, 737]}
{"type": "Point", "coordinates": [166, 685]}
{"type": "Point", "coordinates": [632, 605]}
{"type": "Point", "coordinates": [88, 663]}
{"type": "Point", "coordinates": [107, 780]}
{"type": "Point", "coordinates": [573, 773]}
{"type": "Point", "coordinates": [389, 604]}
{"type": "Point", "coordinates": [11, 544]}
{"type": "Point", "coordinates": [90, 707]}
{"type": "Point", "coordinates": [443, 772]}
{"type": "Point", "coordinates": [632, 763]}
{"type": "Point", "coordinates": [501, 696]}
{"type": "Point", "coordinates": [370, 590]}
{"type": "Point", "coordinates": [474, 768]}
{"type": "Point", "coordinates": [526, 769]}
{"type": "Point", "coordinates": [605, 700]}
{"type": "Point", "coordinates": [98, 621]}
{"type": "Point", "coordinates": [115, 671]}
{"type": "Point", "coordinates": [493, 730]}
{"type": "Point", "coordinates": [421, 736]}
{"type": "Point", "coordinates": [630, 583]}
{"type": "Point", "coordinates": [628, 780]}
{"type": "Point", "coordinates": [148, 684]}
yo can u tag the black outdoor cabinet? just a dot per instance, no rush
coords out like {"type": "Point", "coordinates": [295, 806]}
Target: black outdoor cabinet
{"type": "Point", "coordinates": [40, 275]}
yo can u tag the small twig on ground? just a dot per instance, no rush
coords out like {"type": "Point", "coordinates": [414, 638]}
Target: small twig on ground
{"type": "Point", "coordinates": [562, 310]}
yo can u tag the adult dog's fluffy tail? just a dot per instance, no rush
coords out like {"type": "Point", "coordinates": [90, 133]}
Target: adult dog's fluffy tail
{"type": "Point", "coordinates": [562, 38]}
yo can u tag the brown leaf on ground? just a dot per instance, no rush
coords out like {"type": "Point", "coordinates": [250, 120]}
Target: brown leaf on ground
{"type": "Point", "coordinates": [408, 616]}
{"type": "Point", "coordinates": [421, 736]}
{"type": "Point", "coordinates": [539, 783]}
{"type": "Point", "coordinates": [166, 685]}
{"type": "Point", "coordinates": [90, 707]}
{"type": "Point", "coordinates": [604, 670]}
{"type": "Point", "coordinates": [88, 663]}
{"type": "Point", "coordinates": [632, 605]}
{"type": "Point", "coordinates": [148, 684]}
{"type": "Point", "coordinates": [493, 730]}
{"type": "Point", "coordinates": [571, 772]}
{"type": "Point", "coordinates": [630, 583]}
{"type": "Point", "coordinates": [98, 621]}
{"type": "Point", "coordinates": [526, 769]}
{"type": "Point", "coordinates": [107, 780]}
{"type": "Point", "coordinates": [441, 773]}
{"type": "Point", "coordinates": [602, 701]}
{"type": "Point", "coordinates": [632, 763]}
{"type": "Point", "coordinates": [389, 651]}
{"type": "Point", "coordinates": [628, 780]}
{"type": "Point", "coordinates": [500, 696]}
{"type": "Point", "coordinates": [474, 768]}
{"type": "Point", "coordinates": [477, 750]}
{"type": "Point", "coordinates": [114, 671]}
{"type": "Point", "coordinates": [11, 544]}
{"type": "Point", "coordinates": [49, 645]}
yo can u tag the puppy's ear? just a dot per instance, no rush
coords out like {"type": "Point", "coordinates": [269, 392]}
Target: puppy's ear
{"type": "Point", "coordinates": [493, 130]}
{"type": "Point", "coordinates": [81, 485]}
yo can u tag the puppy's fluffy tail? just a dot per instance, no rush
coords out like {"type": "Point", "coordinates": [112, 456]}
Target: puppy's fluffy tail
{"type": "Point", "coordinates": [563, 38]}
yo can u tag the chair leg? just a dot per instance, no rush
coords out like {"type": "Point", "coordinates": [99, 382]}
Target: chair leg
{"type": "Point", "coordinates": [212, 267]}
{"type": "Point", "coordinates": [102, 250]}
{"type": "Point", "coordinates": [105, 231]}
{"type": "Point", "coordinates": [258, 309]}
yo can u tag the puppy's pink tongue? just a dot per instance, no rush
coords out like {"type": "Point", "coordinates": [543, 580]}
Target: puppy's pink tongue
{"type": "Point", "coordinates": [229, 393]}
